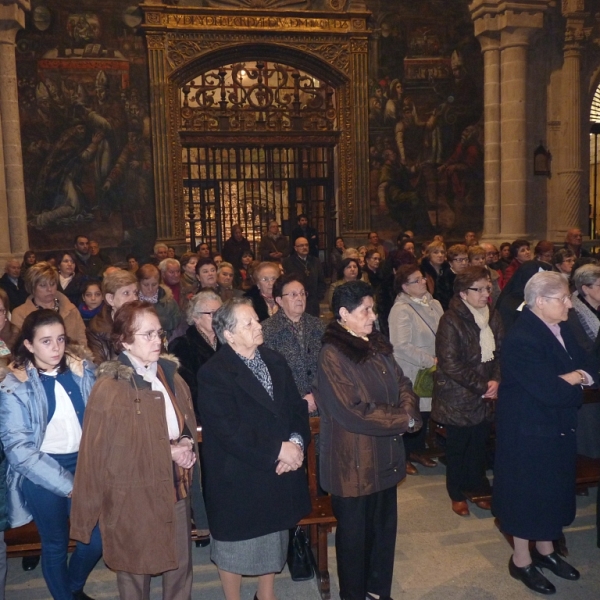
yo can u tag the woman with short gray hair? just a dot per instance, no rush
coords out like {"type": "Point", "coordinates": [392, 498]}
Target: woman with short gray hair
{"type": "Point", "coordinates": [199, 342]}
{"type": "Point", "coordinates": [584, 318]}
{"type": "Point", "coordinates": [254, 436]}
{"type": "Point", "coordinates": [543, 370]}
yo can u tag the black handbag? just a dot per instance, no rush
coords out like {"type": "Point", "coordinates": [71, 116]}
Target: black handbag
{"type": "Point", "coordinates": [299, 559]}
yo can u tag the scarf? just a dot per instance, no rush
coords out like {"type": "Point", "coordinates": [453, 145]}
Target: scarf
{"type": "Point", "coordinates": [486, 335]}
{"type": "Point", "coordinates": [150, 299]}
{"type": "Point", "coordinates": [66, 380]}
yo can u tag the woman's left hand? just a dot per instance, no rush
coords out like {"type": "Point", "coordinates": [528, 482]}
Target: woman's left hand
{"type": "Point", "coordinates": [183, 453]}
{"type": "Point", "coordinates": [492, 390]}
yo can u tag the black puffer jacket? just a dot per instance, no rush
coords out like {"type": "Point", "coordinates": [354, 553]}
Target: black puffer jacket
{"type": "Point", "coordinates": [461, 378]}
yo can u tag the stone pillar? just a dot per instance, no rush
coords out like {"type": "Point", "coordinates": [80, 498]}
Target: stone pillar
{"type": "Point", "coordinates": [490, 45]}
{"type": "Point", "coordinates": [504, 29]}
{"type": "Point", "coordinates": [12, 18]}
{"type": "Point", "coordinates": [513, 132]}
{"type": "Point", "coordinates": [573, 205]}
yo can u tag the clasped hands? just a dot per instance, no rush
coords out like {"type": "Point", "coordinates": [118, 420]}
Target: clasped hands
{"type": "Point", "coordinates": [290, 458]}
{"type": "Point", "coordinates": [183, 453]}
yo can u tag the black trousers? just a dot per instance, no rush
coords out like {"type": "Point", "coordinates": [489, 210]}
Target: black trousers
{"type": "Point", "coordinates": [365, 542]}
{"type": "Point", "coordinates": [465, 456]}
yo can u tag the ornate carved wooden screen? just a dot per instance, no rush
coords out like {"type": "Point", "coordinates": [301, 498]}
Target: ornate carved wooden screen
{"type": "Point", "coordinates": [242, 179]}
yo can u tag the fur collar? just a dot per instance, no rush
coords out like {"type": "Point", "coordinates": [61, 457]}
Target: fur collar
{"type": "Point", "coordinates": [354, 348]}
{"type": "Point", "coordinates": [115, 369]}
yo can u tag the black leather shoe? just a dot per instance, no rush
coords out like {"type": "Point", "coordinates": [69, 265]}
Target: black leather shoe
{"type": "Point", "coordinates": [553, 562]}
{"type": "Point", "coordinates": [29, 563]}
{"type": "Point", "coordinates": [81, 595]}
{"type": "Point", "coordinates": [531, 577]}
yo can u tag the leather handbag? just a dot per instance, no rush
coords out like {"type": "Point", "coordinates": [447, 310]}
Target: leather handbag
{"type": "Point", "coordinates": [299, 559]}
{"type": "Point", "coordinates": [423, 386]}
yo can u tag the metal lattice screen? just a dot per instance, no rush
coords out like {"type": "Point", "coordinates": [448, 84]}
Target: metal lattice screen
{"type": "Point", "coordinates": [254, 185]}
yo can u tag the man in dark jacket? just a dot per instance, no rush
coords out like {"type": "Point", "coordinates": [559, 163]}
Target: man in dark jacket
{"type": "Point", "coordinates": [235, 246]}
{"type": "Point", "coordinates": [303, 229]}
{"type": "Point", "coordinates": [88, 265]}
{"type": "Point", "coordinates": [12, 283]}
{"type": "Point", "coordinates": [310, 269]}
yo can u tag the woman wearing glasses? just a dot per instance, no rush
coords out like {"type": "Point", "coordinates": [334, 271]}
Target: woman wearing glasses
{"type": "Point", "coordinates": [295, 334]}
{"type": "Point", "coordinates": [458, 259]}
{"type": "Point", "coordinates": [261, 294]}
{"type": "Point", "coordinates": [199, 342]}
{"type": "Point", "coordinates": [467, 348]}
{"type": "Point", "coordinates": [139, 462]}
{"type": "Point", "coordinates": [543, 370]}
{"type": "Point", "coordinates": [413, 323]}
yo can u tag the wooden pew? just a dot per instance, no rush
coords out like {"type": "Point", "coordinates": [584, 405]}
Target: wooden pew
{"type": "Point", "coordinates": [320, 520]}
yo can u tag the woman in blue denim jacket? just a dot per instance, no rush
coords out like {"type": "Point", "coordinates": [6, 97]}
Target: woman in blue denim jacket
{"type": "Point", "coordinates": [42, 401]}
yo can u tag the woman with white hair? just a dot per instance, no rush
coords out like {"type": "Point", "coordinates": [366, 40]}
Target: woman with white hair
{"type": "Point", "coordinates": [199, 342]}
{"type": "Point", "coordinates": [543, 370]}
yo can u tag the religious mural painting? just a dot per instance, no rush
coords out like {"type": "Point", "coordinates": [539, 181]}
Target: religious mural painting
{"type": "Point", "coordinates": [425, 119]}
{"type": "Point", "coordinates": [83, 98]}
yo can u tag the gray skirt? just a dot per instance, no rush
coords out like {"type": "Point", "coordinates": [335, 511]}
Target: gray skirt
{"type": "Point", "coordinates": [257, 556]}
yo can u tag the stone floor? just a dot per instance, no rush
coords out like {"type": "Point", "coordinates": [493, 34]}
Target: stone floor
{"type": "Point", "coordinates": [439, 556]}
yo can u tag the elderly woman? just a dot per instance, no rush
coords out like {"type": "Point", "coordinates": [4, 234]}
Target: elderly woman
{"type": "Point", "coordinates": [160, 297]}
{"type": "Point", "coordinates": [199, 342]}
{"type": "Point", "coordinates": [261, 294]}
{"type": "Point", "coordinates": [467, 347]}
{"type": "Point", "coordinates": [137, 458]}
{"type": "Point", "coordinates": [225, 282]}
{"type": "Point", "coordinates": [433, 264]}
{"type": "Point", "coordinates": [413, 323]}
{"type": "Point", "coordinates": [9, 332]}
{"type": "Point", "coordinates": [295, 334]}
{"type": "Point", "coordinates": [255, 431]}
{"type": "Point", "coordinates": [543, 369]}
{"type": "Point", "coordinates": [118, 288]}
{"type": "Point", "coordinates": [458, 260]}
{"type": "Point", "coordinates": [366, 404]}
{"type": "Point", "coordinates": [349, 271]}
{"type": "Point", "coordinates": [41, 281]}
{"type": "Point", "coordinates": [584, 318]}
{"type": "Point", "coordinates": [70, 282]}
{"type": "Point", "coordinates": [42, 404]}
{"type": "Point", "coordinates": [563, 261]}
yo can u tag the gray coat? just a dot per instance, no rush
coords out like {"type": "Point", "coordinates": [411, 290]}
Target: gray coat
{"type": "Point", "coordinates": [412, 333]}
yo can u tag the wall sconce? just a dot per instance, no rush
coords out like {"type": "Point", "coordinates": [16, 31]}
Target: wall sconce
{"type": "Point", "coordinates": [541, 161]}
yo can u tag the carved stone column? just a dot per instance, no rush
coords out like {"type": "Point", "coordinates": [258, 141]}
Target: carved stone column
{"type": "Point", "coordinates": [12, 186]}
{"type": "Point", "coordinates": [490, 45]}
{"type": "Point", "coordinates": [572, 211]}
{"type": "Point", "coordinates": [504, 29]}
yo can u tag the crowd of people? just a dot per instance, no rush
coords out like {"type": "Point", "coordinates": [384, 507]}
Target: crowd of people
{"type": "Point", "coordinates": [98, 423]}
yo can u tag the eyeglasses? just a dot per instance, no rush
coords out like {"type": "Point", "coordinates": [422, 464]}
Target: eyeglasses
{"type": "Point", "coordinates": [268, 279]}
{"type": "Point", "coordinates": [207, 312]}
{"type": "Point", "coordinates": [564, 299]}
{"type": "Point", "coordinates": [421, 279]}
{"type": "Point", "coordinates": [460, 260]}
{"type": "Point", "coordinates": [480, 290]}
{"type": "Point", "coordinates": [150, 336]}
{"type": "Point", "coordinates": [295, 295]}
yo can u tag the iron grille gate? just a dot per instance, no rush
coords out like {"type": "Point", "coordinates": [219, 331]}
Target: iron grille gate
{"type": "Point", "coordinates": [253, 185]}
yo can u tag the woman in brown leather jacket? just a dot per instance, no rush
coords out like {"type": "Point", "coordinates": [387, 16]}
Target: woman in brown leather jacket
{"type": "Point", "coordinates": [466, 384]}
{"type": "Point", "coordinates": [366, 404]}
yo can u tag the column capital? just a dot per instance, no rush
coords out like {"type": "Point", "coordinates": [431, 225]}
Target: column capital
{"type": "Point", "coordinates": [498, 15]}
{"type": "Point", "coordinates": [12, 18]}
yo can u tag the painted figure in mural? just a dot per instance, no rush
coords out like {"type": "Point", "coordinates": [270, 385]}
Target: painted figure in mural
{"type": "Point", "coordinates": [130, 179]}
{"type": "Point", "coordinates": [391, 52]}
{"type": "Point", "coordinates": [393, 106]}
{"type": "Point", "coordinates": [59, 195]}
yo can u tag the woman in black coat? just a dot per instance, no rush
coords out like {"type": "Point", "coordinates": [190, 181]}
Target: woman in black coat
{"type": "Point", "coordinates": [199, 342]}
{"type": "Point", "coordinates": [543, 370]}
{"type": "Point", "coordinates": [255, 432]}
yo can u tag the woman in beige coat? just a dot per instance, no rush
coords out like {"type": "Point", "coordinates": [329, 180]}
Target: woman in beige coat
{"type": "Point", "coordinates": [413, 323]}
{"type": "Point", "coordinates": [41, 282]}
